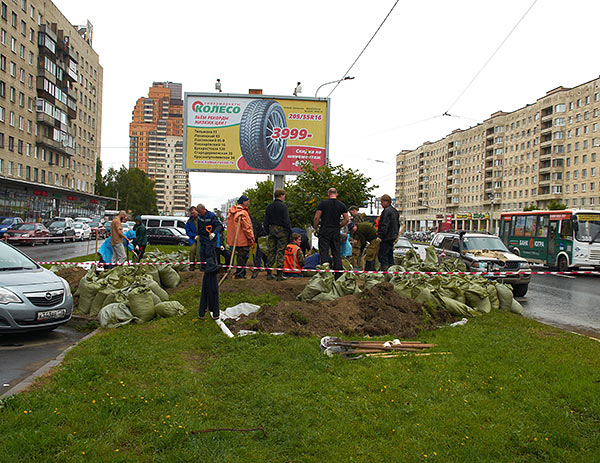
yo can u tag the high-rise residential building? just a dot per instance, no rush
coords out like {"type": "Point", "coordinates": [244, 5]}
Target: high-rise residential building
{"type": "Point", "coordinates": [50, 113]}
{"type": "Point", "coordinates": [545, 151]}
{"type": "Point", "coordinates": [156, 145]}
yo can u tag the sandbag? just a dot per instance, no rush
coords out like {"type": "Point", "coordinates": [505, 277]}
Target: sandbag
{"type": "Point", "coordinates": [492, 293]}
{"type": "Point", "coordinates": [148, 282]}
{"type": "Point", "coordinates": [115, 315]}
{"type": "Point", "coordinates": [321, 283]}
{"type": "Point", "coordinates": [457, 308]}
{"type": "Point", "coordinates": [99, 301]}
{"type": "Point", "coordinates": [170, 309]}
{"type": "Point", "coordinates": [477, 298]}
{"type": "Point", "coordinates": [169, 278]}
{"type": "Point", "coordinates": [115, 296]}
{"type": "Point", "coordinates": [156, 299]}
{"type": "Point", "coordinates": [141, 303]}
{"type": "Point", "coordinates": [505, 296]}
{"type": "Point", "coordinates": [346, 284]}
{"type": "Point", "coordinates": [88, 290]}
{"type": "Point", "coordinates": [516, 307]}
{"type": "Point", "coordinates": [153, 272]}
{"type": "Point", "coordinates": [431, 258]}
{"type": "Point", "coordinates": [372, 279]}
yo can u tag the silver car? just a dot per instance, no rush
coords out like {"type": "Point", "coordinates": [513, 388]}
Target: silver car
{"type": "Point", "coordinates": [31, 297]}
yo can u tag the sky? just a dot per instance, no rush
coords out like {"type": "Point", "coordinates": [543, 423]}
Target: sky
{"type": "Point", "coordinates": [416, 67]}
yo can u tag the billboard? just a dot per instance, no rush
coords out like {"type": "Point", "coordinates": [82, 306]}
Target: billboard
{"type": "Point", "coordinates": [254, 133]}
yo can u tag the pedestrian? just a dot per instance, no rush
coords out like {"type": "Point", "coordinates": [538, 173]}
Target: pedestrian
{"type": "Point", "coordinates": [363, 234]}
{"type": "Point", "coordinates": [209, 296]}
{"type": "Point", "coordinates": [332, 215]}
{"type": "Point", "coordinates": [116, 238]}
{"type": "Point", "coordinates": [294, 257]}
{"type": "Point", "coordinates": [387, 232]}
{"type": "Point", "coordinates": [240, 234]}
{"type": "Point", "coordinates": [277, 224]}
{"type": "Point", "coordinates": [191, 229]}
{"type": "Point", "coordinates": [357, 217]}
{"type": "Point", "coordinates": [141, 240]}
{"type": "Point", "coordinates": [260, 255]}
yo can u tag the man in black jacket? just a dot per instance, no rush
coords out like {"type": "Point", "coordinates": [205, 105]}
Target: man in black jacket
{"type": "Point", "coordinates": [279, 228]}
{"type": "Point", "coordinates": [332, 215]}
{"type": "Point", "coordinates": [387, 232]}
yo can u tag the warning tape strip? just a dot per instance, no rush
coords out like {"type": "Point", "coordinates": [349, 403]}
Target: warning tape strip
{"type": "Point", "coordinates": [360, 272]}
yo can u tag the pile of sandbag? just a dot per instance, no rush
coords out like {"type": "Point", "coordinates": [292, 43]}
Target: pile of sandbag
{"type": "Point", "coordinates": [182, 255]}
{"type": "Point", "coordinates": [461, 295]}
{"type": "Point", "coordinates": [126, 294]}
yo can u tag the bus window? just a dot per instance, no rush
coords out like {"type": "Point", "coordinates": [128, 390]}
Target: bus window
{"type": "Point", "coordinates": [566, 230]}
{"type": "Point", "coordinates": [167, 223]}
{"type": "Point", "coordinates": [542, 230]}
{"type": "Point", "coordinates": [180, 224]}
{"type": "Point", "coordinates": [520, 225]}
{"type": "Point", "coordinates": [529, 229]}
{"type": "Point", "coordinates": [153, 223]}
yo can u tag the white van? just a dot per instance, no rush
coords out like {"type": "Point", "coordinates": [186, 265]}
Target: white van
{"type": "Point", "coordinates": [164, 221]}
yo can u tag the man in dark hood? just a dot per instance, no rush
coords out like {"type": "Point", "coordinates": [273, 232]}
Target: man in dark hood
{"type": "Point", "coordinates": [141, 240]}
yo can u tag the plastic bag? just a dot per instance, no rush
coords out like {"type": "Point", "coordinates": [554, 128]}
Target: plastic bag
{"type": "Point", "coordinates": [115, 315]}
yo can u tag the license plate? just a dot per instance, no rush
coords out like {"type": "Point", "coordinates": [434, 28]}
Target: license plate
{"type": "Point", "coordinates": [51, 314]}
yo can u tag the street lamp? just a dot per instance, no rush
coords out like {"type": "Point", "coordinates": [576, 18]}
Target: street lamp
{"type": "Point", "coordinates": [218, 85]}
{"type": "Point", "coordinates": [333, 82]}
{"type": "Point", "coordinates": [298, 89]}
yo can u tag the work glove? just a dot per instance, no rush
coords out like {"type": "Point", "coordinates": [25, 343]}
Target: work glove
{"type": "Point", "coordinates": [211, 236]}
{"type": "Point", "coordinates": [197, 236]}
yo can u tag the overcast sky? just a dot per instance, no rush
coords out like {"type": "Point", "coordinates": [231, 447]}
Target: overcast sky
{"type": "Point", "coordinates": [421, 60]}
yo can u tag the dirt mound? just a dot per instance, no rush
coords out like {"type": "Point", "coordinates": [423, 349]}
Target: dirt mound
{"type": "Point", "coordinates": [377, 311]}
{"type": "Point", "coordinates": [73, 275]}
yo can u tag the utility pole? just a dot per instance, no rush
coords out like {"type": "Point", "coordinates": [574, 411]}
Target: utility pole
{"type": "Point", "coordinates": [117, 201]}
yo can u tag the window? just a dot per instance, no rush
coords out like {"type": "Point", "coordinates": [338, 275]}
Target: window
{"type": "Point", "coordinates": [11, 143]}
{"type": "Point", "coordinates": [4, 11]}
{"type": "Point", "coordinates": [13, 19]}
{"type": "Point", "coordinates": [20, 146]}
{"type": "Point", "coordinates": [13, 69]}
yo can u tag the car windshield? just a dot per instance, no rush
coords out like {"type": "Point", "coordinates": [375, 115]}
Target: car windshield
{"type": "Point", "coordinates": [490, 243]}
{"type": "Point", "coordinates": [403, 243]}
{"type": "Point", "coordinates": [78, 225]}
{"type": "Point", "coordinates": [57, 224]}
{"type": "Point", "coordinates": [11, 259]}
{"type": "Point", "coordinates": [94, 224]}
{"type": "Point", "coordinates": [177, 231]}
{"type": "Point", "coordinates": [588, 228]}
{"type": "Point", "coordinates": [24, 227]}
{"type": "Point", "coordinates": [6, 221]}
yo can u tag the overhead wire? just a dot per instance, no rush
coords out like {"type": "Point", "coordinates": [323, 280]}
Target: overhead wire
{"type": "Point", "coordinates": [490, 58]}
{"type": "Point", "coordinates": [363, 50]}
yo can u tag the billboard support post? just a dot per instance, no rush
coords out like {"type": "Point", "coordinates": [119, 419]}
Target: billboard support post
{"type": "Point", "coordinates": [278, 181]}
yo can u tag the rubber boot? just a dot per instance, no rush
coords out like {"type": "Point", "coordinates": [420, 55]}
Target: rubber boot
{"type": "Point", "coordinates": [280, 276]}
{"type": "Point", "coordinates": [254, 274]}
{"type": "Point", "coordinates": [269, 275]}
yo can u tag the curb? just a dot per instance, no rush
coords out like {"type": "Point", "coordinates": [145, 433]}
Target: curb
{"type": "Point", "coordinates": [24, 384]}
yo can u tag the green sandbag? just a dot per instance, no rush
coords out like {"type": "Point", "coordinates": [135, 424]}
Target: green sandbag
{"type": "Point", "coordinates": [431, 258]}
{"type": "Point", "coordinates": [169, 278]}
{"type": "Point", "coordinates": [372, 279]}
{"type": "Point", "coordinates": [115, 296]}
{"type": "Point", "coordinates": [155, 299]}
{"type": "Point", "coordinates": [153, 272]}
{"type": "Point", "coordinates": [99, 301]}
{"type": "Point", "coordinates": [505, 296]}
{"type": "Point", "coordinates": [404, 287]}
{"type": "Point", "coordinates": [492, 293]}
{"type": "Point", "coordinates": [457, 308]}
{"type": "Point", "coordinates": [86, 295]}
{"type": "Point", "coordinates": [141, 303]}
{"type": "Point", "coordinates": [393, 278]}
{"type": "Point", "coordinates": [477, 298]}
{"type": "Point", "coordinates": [154, 287]}
{"type": "Point", "coordinates": [346, 284]}
{"type": "Point", "coordinates": [321, 283]}
{"type": "Point", "coordinates": [423, 295]}
{"type": "Point", "coordinates": [516, 307]}
{"type": "Point", "coordinates": [170, 309]}
{"type": "Point", "coordinates": [115, 315]}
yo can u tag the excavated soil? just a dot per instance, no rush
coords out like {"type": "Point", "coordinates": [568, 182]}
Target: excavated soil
{"type": "Point", "coordinates": [73, 275]}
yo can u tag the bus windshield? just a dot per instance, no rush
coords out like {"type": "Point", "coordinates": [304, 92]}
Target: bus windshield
{"type": "Point", "coordinates": [490, 243]}
{"type": "Point", "coordinates": [588, 228]}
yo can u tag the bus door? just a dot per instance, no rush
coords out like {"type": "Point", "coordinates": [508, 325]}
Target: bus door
{"type": "Point", "coordinates": [552, 235]}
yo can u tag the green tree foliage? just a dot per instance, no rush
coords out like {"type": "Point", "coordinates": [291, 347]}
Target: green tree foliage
{"type": "Point", "coordinates": [555, 205]}
{"type": "Point", "coordinates": [531, 207]}
{"type": "Point", "coordinates": [260, 196]}
{"type": "Point", "coordinates": [135, 190]}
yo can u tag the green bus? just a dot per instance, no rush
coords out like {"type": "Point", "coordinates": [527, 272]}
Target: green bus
{"type": "Point", "coordinates": [561, 240]}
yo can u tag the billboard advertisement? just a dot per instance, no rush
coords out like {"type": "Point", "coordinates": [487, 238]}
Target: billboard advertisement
{"type": "Point", "coordinates": [254, 133]}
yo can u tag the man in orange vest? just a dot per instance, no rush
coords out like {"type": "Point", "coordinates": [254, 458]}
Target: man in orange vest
{"type": "Point", "coordinates": [294, 257]}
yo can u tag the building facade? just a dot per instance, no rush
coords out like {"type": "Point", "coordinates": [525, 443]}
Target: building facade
{"type": "Point", "coordinates": [546, 151]}
{"type": "Point", "coordinates": [156, 145]}
{"type": "Point", "coordinates": [50, 111]}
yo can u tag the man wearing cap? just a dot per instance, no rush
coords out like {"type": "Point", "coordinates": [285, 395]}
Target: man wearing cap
{"type": "Point", "coordinates": [332, 215]}
{"type": "Point", "coordinates": [387, 232]}
{"type": "Point", "coordinates": [363, 234]}
{"type": "Point", "coordinates": [239, 233]}
{"type": "Point", "coordinates": [277, 224]}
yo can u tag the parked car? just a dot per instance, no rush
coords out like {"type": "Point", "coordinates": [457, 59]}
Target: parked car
{"type": "Point", "coordinates": [31, 297]}
{"type": "Point", "coordinates": [82, 219]}
{"type": "Point", "coordinates": [7, 223]}
{"type": "Point", "coordinates": [28, 233]}
{"type": "Point", "coordinates": [401, 247]}
{"type": "Point", "coordinates": [97, 228]}
{"type": "Point", "coordinates": [82, 231]}
{"type": "Point", "coordinates": [484, 253]}
{"type": "Point", "coordinates": [61, 228]}
{"type": "Point", "coordinates": [166, 235]}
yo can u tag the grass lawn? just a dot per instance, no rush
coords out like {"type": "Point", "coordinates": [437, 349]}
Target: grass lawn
{"type": "Point", "coordinates": [512, 390]}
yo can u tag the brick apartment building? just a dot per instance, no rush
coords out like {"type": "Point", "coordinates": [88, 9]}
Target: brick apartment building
{"type": "Point", "coordinates": [50, 113]}
{"type": "Point", "coordinates": [547, 150]}
{"type": "Point", "coordinates": [156, 145]}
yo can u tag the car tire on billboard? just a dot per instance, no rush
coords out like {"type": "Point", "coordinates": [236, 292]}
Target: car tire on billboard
{"type": "Point", "coordinates": [259, 148]}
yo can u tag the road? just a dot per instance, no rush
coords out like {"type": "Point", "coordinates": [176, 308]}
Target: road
{"type": "Point", "coordinates": [60, 251]}
{"type": "Point", "coordinates": [22, 354]}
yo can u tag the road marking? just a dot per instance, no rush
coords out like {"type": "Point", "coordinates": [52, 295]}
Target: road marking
{"type": "Point", "coordinates": [565, 276]}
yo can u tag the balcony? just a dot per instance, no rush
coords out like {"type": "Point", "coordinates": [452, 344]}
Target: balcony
{"type": "Point", "coordinates": [44, 118]}
{"type": "Point", "coordinates": [54, 145]}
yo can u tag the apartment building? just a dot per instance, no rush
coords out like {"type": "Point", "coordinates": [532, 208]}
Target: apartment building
{"type": "Point", "coordinates": [50, 113]}
{"type": "Point", "coordinates": [156, 145]}
{"type": "Point", "coordinates": [545, 151]}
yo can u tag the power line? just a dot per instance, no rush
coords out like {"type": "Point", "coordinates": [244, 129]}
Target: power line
{"type": "Point", "coordinates": [490, 58]}
{"type": "Point", "coordinates": [363, 50]}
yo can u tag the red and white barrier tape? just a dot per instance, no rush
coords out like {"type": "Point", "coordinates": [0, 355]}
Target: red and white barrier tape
{"type": "Point", "coordinates": [360, 272]}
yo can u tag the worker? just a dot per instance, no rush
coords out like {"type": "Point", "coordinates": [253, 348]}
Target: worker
{"type": "Point", "coordinates": [277, 224]}
{"type": "Point", "coordinates": [387, 232]}
{"type": "Point", "coordinates": [328, 215]}
{"type": "Point", "coordinates": [240, 235]}
{"type": "Point", "coordinates": [294, 257]}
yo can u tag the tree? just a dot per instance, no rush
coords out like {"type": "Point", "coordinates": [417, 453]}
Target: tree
{"type": "Point", "coordinates": [530, 207]}
{"type": "Point", "coordinates": [260, 196]}
{"type": "Point", "coordinates": [134, 188]}
{"type": "Point", "coordinates": [554, 205]}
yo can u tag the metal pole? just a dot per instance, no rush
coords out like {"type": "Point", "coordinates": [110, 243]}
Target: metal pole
{"type": "Point", "coordinates": [278, 181]}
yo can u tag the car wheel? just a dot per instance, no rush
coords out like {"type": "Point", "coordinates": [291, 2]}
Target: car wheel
{"type": "Point", "coordinates": [180, 243]}
{"type": "Point", "coordinates": [520, 290]}
{"type": "Point", "coordinates": [562, 264]}
{"type": "Point", "coordinates": [33, 243]}
{"type": "Point", "coordinates": [47, 242]}
{"type": "Point", "coordinates": [64, 239]}
{"type": "Point", "coordinates": [516, 251]}
{"type": "Point", "coordinates": [258, 124]}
